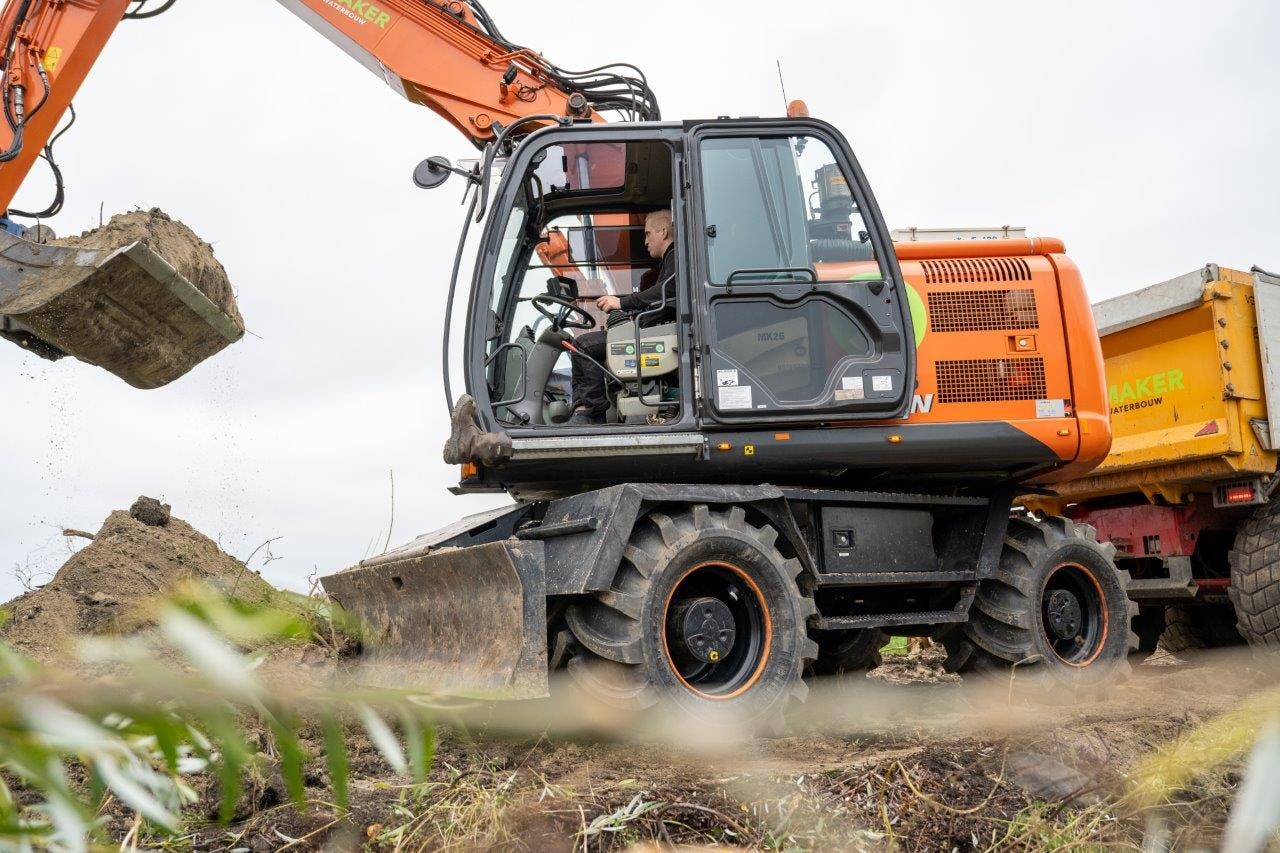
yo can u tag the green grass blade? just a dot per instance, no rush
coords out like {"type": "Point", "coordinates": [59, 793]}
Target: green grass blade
{"type": "Point", "coordinates": [335, 750]}
{"type": "Point", "coordinates": [291, 757]}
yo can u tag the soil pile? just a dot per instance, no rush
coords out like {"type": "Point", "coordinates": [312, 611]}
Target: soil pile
{"type": "Point", "coordinates": [919, 666]}
{"type": "Point", "coordinates": [128, 562]}
{"type": "Point", "coordinates": [171, 240]}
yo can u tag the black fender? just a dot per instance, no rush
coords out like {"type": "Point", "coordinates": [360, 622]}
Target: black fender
{"type": "Point", "coordinates": [585, 535]}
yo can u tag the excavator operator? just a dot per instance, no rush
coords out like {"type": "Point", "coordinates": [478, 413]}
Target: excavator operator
{"type": "Point", "coordinates": [655, 303]}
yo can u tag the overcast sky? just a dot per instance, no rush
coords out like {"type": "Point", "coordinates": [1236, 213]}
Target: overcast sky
{"type": "Point", "coordinates": [1144, 134]}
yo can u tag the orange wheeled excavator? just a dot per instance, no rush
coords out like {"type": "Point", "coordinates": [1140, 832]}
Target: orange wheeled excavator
{"type": "Point", "coordinates": [809, 438]}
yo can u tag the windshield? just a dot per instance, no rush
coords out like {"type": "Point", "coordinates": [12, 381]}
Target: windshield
{"type": "Point", "coordinates": [508, 252]}
{"type": "Point", "coordinates": [780, 209]}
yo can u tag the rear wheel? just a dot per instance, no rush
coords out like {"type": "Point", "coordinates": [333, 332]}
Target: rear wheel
{"type": "Point", "coordinates": [1255, 577]}
{"type": "Point", "coordinates": [704, 615]}
{"type": "Point", "coordinates": [846, 652]}
{"type": "Point", "coordinates": [1057, 604]}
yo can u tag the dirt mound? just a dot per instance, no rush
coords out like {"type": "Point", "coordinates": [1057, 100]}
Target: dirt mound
{"type": "Point", "coordinates": [919, 666]}
{"type": "Point", "coordinates": [128, 562]}
{"type": "Point", "coordinates": [171, 240]}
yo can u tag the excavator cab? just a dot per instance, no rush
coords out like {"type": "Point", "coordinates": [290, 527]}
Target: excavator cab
{"type": "Point", "coordinates": [789, 309]}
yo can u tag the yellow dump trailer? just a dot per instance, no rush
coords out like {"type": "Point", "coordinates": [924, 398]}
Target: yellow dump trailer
{"type": "Point", "coordinates": [1189, 367]}
{"type": "Point", "coordinates": [1193, 366]}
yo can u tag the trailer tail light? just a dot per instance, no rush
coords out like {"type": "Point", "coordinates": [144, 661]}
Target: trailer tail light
{"type": "Point", "coordinates": [1239, 493]}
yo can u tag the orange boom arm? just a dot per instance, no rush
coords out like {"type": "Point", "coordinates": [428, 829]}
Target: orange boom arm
{"type": "Point", "coordinates": [444, 55]}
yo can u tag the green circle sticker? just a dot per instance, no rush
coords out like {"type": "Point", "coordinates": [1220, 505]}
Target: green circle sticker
{"type": "Point", "coordinates": [919, 314]}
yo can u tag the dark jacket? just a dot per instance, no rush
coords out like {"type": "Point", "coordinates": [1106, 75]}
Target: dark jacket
{"type": "Point", "coordinates": [649, 297]}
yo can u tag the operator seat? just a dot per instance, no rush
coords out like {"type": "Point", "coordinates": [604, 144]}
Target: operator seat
{"type": "Point", "coordinates": [530, 363]}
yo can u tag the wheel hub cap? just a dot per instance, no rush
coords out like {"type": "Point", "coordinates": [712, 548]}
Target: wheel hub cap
{"type": "Point", "coordinates": [1065, 616]}
{"type": "Point", "coordinates": [707, 629]}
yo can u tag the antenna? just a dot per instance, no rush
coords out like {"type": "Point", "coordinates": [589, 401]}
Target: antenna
{"type": "Point", "coordinates": [783, 84]}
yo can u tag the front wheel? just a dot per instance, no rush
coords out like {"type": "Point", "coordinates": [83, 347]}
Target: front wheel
{"type": "Point", "coordinates": [704, 616]}
{"type": "Point", "coordinates": [1057, 605]}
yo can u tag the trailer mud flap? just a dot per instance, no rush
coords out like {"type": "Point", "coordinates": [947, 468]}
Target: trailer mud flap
{"type": "Point", "coordinates": [126, 310]}
{"type": "Point", "coordinates": [464, 621]}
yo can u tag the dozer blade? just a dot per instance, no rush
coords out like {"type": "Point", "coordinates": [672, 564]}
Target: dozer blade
{"type": "Point", "coordinates": [126, 310]}
{"type": "Point", "coordinates": [463, 621]}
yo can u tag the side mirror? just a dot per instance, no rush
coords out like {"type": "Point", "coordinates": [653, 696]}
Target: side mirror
{"type": "Point", "coordinates": [432, 172]}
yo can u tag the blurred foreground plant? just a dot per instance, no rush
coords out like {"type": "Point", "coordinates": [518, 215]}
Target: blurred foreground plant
{"type": "Point", "coordinates": [175, 701]}
{"type": "Point", "coordinates": [1252, 728]}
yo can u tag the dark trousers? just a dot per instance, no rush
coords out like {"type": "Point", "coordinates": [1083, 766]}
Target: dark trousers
{"type": "Point", "coordinates": [588, 380]}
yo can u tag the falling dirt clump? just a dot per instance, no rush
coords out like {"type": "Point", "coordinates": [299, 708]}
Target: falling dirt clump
{"type": "Point", "coordinates": [171, 240]}
{"type": "Point", "coordinates": [128, 562]}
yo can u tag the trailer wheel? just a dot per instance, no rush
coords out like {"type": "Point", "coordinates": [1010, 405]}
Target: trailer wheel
{"type": "Point", "coordinates": [845, 652]}
{"type": "Point", "coordinates": [1057, 607]}
{"type": "Point", "coordinates": [1203, 627]}
{"type": "Point", "coordinates": [1149, 624]}
{"type": "Point", "coordinates": [704, 616]}
{"type": "Point", "coordinates": [1255, 577]}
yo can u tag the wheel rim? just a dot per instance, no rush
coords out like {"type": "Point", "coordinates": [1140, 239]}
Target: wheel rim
{"type": "Point", "coordinates": [716, 630]}
{"type": "Point", "coordinates": [1074, 615]}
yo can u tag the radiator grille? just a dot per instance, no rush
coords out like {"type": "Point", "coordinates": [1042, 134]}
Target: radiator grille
{"type": "Point", "coordinates": [982, 310]}
{"type": "Point", "coordinates": [975, 270]}
{"type": "Point", "coordinates": [984, 380]}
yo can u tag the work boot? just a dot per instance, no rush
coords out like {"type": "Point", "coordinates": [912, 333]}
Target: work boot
{"type": "Point", "coordinates": [584, 418]}
{"type": "Point", "coordinates": [468, 444]}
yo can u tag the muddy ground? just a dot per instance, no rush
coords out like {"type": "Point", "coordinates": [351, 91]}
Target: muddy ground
{"type": "Point", "coordinates": [906, 758]}
{"type": "Point", "coordinates": [929, 769]}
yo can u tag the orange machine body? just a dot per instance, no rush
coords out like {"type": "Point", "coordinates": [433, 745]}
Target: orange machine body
{"type": "Point", "coordinates": [1005, 333]}
{"type": "Point", "coordinates": [1003, 328]}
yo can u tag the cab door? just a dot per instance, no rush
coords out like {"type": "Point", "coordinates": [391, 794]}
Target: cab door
{"type": "Point", "coordinates": [803, 313]}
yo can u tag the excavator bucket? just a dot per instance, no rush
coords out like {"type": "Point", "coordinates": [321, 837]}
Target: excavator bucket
{"type": "Point", "coordinates": [125, 309]}
{"type": "Point", "coordinates": [461, 621]}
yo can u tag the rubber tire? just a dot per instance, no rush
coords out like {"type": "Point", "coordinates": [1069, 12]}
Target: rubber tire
{"type": "Point", "coordinates": [848, 652]}
{"type": "Point", "coordinates": [1188, 629]}
{"type": "Point", "coordinates": [1255, 577]}
{"type": "Point", "coordinates": [1148, 625]}
{"type": "Point", "coordinates": [1006, 625]}
{"type": "Point", "coordinates": [620, 631]}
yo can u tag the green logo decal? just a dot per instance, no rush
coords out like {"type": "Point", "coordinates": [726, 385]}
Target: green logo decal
{"type": "Point", "coordinates": [1146, 387]}
{"type": "Point", "coordinates": [368, 11]}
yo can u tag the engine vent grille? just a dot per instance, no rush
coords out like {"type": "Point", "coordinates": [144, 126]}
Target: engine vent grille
{"type": "Point", "coordinates": [975, 270]}
{"type": "Point", "coordinates": [982, 310]}
{"type": "Point", "coordinates": [986, 380]}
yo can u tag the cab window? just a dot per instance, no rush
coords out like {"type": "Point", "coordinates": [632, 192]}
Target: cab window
{"type": "Point", "coordinates": [780, 209]}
